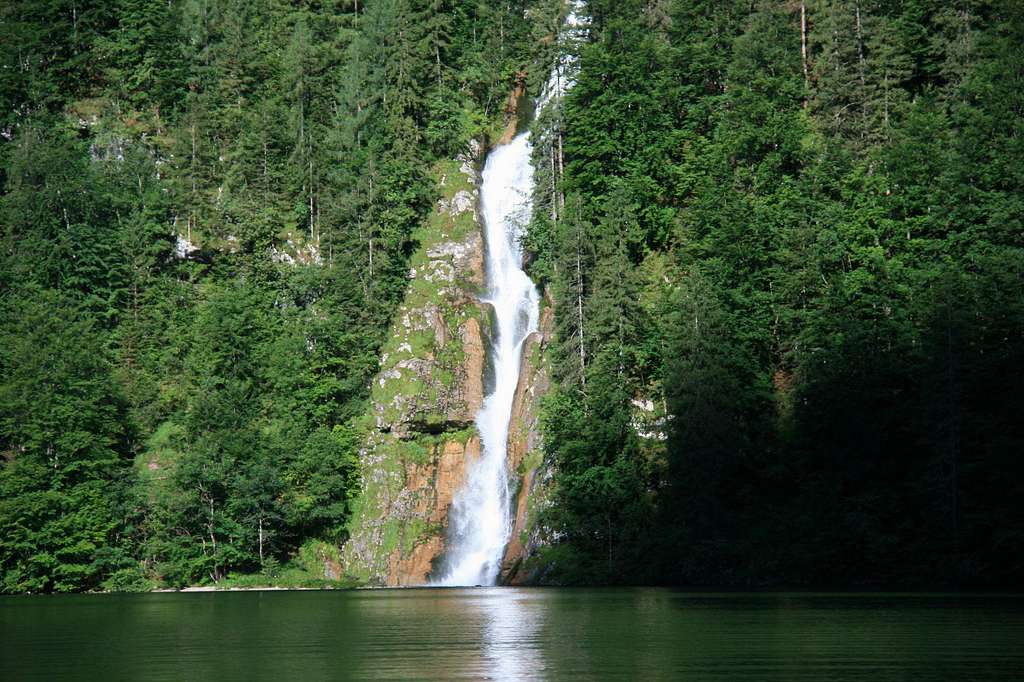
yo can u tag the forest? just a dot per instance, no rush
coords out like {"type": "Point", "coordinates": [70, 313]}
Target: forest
{"type": "Point", "coordinates": [206, 212]}
{"type": "Point", "coordinates": [784, 240]}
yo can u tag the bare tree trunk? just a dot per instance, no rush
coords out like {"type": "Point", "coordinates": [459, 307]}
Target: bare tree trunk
{"type": "Point", "coordinates": [261, 541]}
{"type": "Point", "coordinates": [266, 175]}
{"type": "Point", "coordinates": [561, 168]}
{"type": "Point", "coordinates": [192, 168]}
{"type": "Point", "coordinates": [209, 528]}
{"type": "Point", "coordinates": [860, 44]}
{"type": "Point", "coordinates": [579, 302]}
{"type": "Point", "coordinates": [64, 212]}
{"type": "Point", "coordinates": [885, 104]}
{"type": "Point", "coordinates": [554, 193]}
{"type": "Point", "coordinates": [437, 57]}
{"type": "Point", "coordinates": [803, 49]}
{"type": "Point", "coordinates": [215, 573]}
{"type": "Point", "coordinates": [369, 198]}
{"type": "Point", "coordinates": [862, 69]}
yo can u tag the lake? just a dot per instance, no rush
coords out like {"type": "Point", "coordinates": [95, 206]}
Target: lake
{"type": "Point", "coordinates": [512, 634]}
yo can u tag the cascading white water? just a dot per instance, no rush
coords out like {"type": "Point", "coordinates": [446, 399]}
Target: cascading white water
{"type": "Point", "coordinates": [481, 516]}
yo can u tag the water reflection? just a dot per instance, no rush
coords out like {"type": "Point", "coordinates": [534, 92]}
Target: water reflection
{"type": "Point", "coordinates": [513, 620]}
{"type": "Point", "coordinates": [512, 634]}
{"type": "Point", "coordinates": [476, 633]}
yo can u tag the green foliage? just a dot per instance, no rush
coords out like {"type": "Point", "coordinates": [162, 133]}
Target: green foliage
{"type": "Point", "coordinates": [64, 440]}
{"type": "Point", "coordinates": [786, 281]}
{"type": "Point", "coordinates": [206, 215]}
{"type": "Point", "coordinates": [821, 356]}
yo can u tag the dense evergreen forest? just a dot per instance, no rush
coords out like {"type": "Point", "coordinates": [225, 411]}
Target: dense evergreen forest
{"type": "Point", "coordinates": [784, 240]}
{"type": "Point", "coordinates": [785, 243]}
{"type": "Point", "coordinates": [207, 208]}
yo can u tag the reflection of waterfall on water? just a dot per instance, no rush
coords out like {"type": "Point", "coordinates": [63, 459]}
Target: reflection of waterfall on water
{"type": "Point", "coordinates": [512, 642]}
{"type": "Point", "coordinates": [481, 518]}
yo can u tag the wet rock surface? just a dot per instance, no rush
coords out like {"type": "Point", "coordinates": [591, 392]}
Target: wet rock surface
{"type": "Point", "coordinates": [530, 475]}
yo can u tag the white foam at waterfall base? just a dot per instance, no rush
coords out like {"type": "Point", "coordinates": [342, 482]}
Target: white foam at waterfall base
{"type": "Point", "coordinates": [481, 519]}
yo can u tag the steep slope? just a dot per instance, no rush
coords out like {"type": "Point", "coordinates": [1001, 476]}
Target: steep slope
{"type": "Point", "coordinates": [420, 431]}
{"type": "Point", "coordinates": [421, 438]}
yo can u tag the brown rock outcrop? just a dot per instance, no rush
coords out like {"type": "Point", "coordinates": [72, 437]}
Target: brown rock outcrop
{"type": "Point", "coordinates": [512, 109]}
{"type": "Point", "coordinates": [524, 456]}
{"type": "Point", "coordinates": [476, 357]}
{"type": "Point", "coordinates": [431, 486]}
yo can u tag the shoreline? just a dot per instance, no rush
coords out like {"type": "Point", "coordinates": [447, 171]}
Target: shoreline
{"type": "Point", "coordinates": [215, 588]}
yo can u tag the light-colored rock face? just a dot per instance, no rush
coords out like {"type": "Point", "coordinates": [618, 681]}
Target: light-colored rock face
{"type": "Point", "coordinates": [420, 430]}
{"type": "Point", "coordinates": [476, 355]}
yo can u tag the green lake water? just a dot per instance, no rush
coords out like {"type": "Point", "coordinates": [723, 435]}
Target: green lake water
{"type": "Point", "coordinates": [512, 634]}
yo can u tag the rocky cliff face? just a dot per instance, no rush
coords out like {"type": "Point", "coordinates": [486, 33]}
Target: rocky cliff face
{"type": "Point", "coordinates": [529, 475]}
{"type": "Point", "coordinates": [421, 437]}
{"type": "Point", "coordinates": [420, 433]}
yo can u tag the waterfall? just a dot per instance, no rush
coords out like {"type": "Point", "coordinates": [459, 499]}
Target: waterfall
{"type": "Point", "coordinates": [480, 520]}
{"type": "Point", "coordinates": [480, 517]}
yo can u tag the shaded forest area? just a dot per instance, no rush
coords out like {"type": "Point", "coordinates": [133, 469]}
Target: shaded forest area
{"type": "Point", "coordinates": [206, 212]}
{"type": "Point", "coordinates": [785, 242]}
